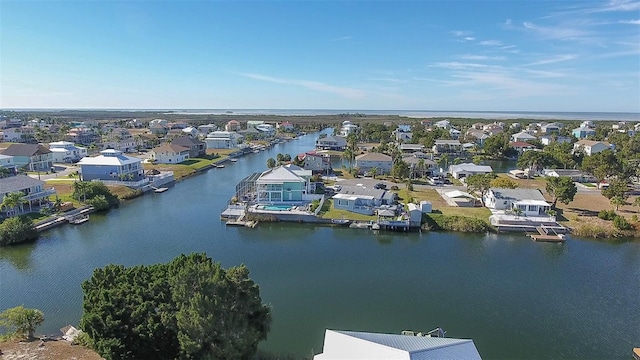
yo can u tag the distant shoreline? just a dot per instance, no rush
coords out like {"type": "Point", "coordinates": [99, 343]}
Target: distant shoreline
{"type": "Point", "coordinates": [498, 115]}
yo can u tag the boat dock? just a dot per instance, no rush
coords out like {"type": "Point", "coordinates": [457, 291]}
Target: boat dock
{"type": "Point", "coordinates": [547, 234]}
{"type": "Point", "coordinates": [159, 190]}
{"type": "Point", "coordinates": [50, 223]}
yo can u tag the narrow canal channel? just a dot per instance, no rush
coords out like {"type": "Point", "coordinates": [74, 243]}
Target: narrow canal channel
{"type": "Point", "coordinates": [513, 297]}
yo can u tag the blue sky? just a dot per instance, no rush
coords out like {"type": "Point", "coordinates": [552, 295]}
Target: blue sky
{"type": "Point", "coordinates": [369, 55]}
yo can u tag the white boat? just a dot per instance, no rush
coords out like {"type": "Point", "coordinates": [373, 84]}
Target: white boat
{"type": "Point", "coordinates": [160, 190]}
{"type": "Point", "coordinates": [233, 160]}
{"type": "Point", "coordinates": [219, 166]}
{"type": "Point", "coordinates": [79, 219]}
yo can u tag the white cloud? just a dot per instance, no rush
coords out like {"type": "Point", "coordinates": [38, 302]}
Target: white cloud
{"type": "Point", "coordinates": [342, 38]}
{"type": "Point", "coordinates": [459, 65]}
{"type": "Point", "coordinates": [621, 5]}
{"type": "Point", "coordinates": [632, 22]}
{"type": "Point", "coordinates": [346, 92]}
{"type": "Point", "coordinates": [557, 32]}
{"type": "Point", "coordinates": [469, 38]}
{"type": "Point", "coordinates": [481, 57]}
{"type": "Point", "coordinates": [460, 33]}
{"type": "Point", "coordinates": [491, 43]}
{"type": "Point", "coordinates": [552, 60]}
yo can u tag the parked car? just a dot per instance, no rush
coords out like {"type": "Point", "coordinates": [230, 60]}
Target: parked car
{"type": "Point", "coordinates": [381, 186]}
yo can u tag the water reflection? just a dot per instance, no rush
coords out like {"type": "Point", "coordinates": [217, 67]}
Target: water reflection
{"type": "Point", "coordinates": [19, 256]}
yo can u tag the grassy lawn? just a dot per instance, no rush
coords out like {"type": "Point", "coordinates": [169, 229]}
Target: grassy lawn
{"type": "Point", "coordinates": [333, 213]}
{"type": "Point", "coordinates": [185, 168]}
{"type": "Point", "coordinates": [438, 203]}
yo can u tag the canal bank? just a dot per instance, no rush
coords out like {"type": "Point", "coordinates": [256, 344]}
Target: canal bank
{"type": "Point", "coordinates": [509, 294]}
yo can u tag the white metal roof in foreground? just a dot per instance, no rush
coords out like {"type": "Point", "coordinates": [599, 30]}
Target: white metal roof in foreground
{"type": "Point", "coordinates": [361, 345]}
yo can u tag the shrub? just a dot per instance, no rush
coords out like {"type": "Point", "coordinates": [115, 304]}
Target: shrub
{"type": "Point", "coordinates": [621, 223]}
{"type": "Point", "coordinates": [607, 215]}
{"type": "Point", "coordinates": [99, 202]}
{"type": "Point", "coordinates": [457, 223]}
{"type": "Point", "coordinates": [16, 230]}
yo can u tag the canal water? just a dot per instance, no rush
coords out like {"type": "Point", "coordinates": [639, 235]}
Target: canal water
{"type": "Point", "coordinates": [513, 297]}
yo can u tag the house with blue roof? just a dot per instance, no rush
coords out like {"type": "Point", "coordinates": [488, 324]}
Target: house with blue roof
{"type": "Point", "coordinates": [111, 165]}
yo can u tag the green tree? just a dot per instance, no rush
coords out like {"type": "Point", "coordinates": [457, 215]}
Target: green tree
{"type": "Point", "coordinates": [21, 321]}
{"type": "Point", "coordinates": [561, 188]}
{"type": "Point", "coordinates": [603, 165]}
{"type": "Point", "coordinates": [190, 308]}
{"type": "Point", "coordinates": [373, 171]}
{"type": "Point", "coordinates": [17, 229]}
{"type": "Point", "coordinates": [349, 155]}
{"type": "Point", "coordinates": [480, 183]}
{"type": "Point", "coordinates": [617, 192]}
{"type": "Point", "coordinates": [531, 159]}
{"type": "Point", "coordinates": [496, 145]}
{"type": "Point", "coordinates": [13, 202]}
{"type": "Point", "coordinates": [504, 183]}
{"type": "Point", "coordinates": [400, 170]}
{"type": "Point", "coordinates": [271, 163]}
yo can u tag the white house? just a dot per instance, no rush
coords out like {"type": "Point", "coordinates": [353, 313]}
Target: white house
{"type": "Point", "coordinates": [547, 139]}
{"type": "Point", "coordinates": [443, 124]}
{"type": "Point", "coordinates": [6, 161]}
{"type": "Point", "coordinates": [446, 146]}
{"type": "Point", "coordinates": [283, 184]}
{"type": "Point", "coordinates": [341, 345]}
{"type": "Point", "coordinates": [590, 147]}
{"type": "Point", "coordinates": [33, 190]}
{"type": "Point", "coordinates": [522, 136]}
{"type": "Point", "coordinates": [348, 128]}
{"type": "Point", "coordinates": [466, 169]}
{"type": "Point", "coordinates": [316, 162]}
{"type": "Point", "coordinates": [66, 152]}
{"type": "Point", "coordinates": [362, 200]}
{"type": "Point", "coordinates": [529, 202]}
{"type": "Point", "coordinates": [221, 140]}
{"type": "Point", "coordinates": [382, 162]}
{"type": "Point", "coordinates": [168, 153]}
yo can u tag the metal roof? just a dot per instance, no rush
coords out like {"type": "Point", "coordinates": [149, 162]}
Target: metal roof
{"type": "Point", "coordinates": [17, 183]}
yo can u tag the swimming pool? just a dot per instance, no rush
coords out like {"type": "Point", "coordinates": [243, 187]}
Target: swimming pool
{"type": "Point", "coordinates": [275, 207]}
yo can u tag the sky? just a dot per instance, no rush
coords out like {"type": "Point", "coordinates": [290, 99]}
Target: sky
{"type": "Point", "coordinates": [573, 56]}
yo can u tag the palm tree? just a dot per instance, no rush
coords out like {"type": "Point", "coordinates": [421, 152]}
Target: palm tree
{"type": "Point", "coordinates": [421, 167]}
{"type": "Point", "coordinates": [373, 171]}
{"type": "Point", "coordinates": [80, 187]}
{"type": "Point", "coordinates": [13, 201]}
{"type": "Point", "coordinates": [348, 155]}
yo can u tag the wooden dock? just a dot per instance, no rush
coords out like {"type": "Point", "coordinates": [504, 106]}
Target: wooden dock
{"type": "Point", "coordinates": [546, 234]}
{"type": "Point", "coordinates": [636, 353]}
{"type": "Point", "coordinates": [249, 224]}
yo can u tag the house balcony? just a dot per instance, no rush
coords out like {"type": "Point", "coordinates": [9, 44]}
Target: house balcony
{"type": "Point", "coordinates": [40, 195]}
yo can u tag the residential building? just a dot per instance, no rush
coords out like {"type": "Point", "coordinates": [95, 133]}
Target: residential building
{"type": "Point", "coordinates": [419, 165]}
{"type": "Point", "coordinates": [205, 129]}
{"type": "Point", "coordinates": [411, 148]}
{"type": "Point", "coordinates": [590, 147]}
{"type": "Point", "coordinates": [159, 127]}
{"type": "Point", "coordinates": [348, 128]}
{"type": "Point", "coordinates": [583, 132]}
{"type": "Point", "coordinates": [222, 140]}
{"type": "Point", "coordinates": [550, 128]}
{"type": "Point", "coordinates": [316, 162]}
{"type": "Point", "coordinates": [443, 124]}
{"type": "Point", "coordinates": [492, 129]}
{"type": "Point", "coordinates": [362, 200]}
{"type": "Point", "coordinates": [254, 123]}
{"type": "Point", "coordinates": [32, 157]}
{"type": "Point", "coordinates": [337, 143]}
{"type": "Point", "coordinates": [285, 126]}
{"type": "Point", "coordinates": [232, 125]}
{"type": "Point", "coordinates": [120, 139]}
{"type": "Point", "coordinates": [111, 165]}
{"type": "Point", "coordinates": [353, 345]}
{"type": "Point", "coordinates": [283, 184]}
{"type": "Point", "coordinates": [529, 202]}
{"type": "Point", "coordinates": [466, 169]}
{"type": "Point", "coordinates": [16, 134]}
{"type": "Point", "coordinates": [83, 135]}
{"type": "Point", "coordinates": [168, 153]}
{"type": "Point", "coordinates": [575, 174]}
{"type": "Point", "coordinates": [196, 147]}
{"type": "Point", "coordinates": [34, 192]}
{"type": "Point", "coordinates": [66, 152]}
{"type": "Point", "coordinates": [521, 147]}
{"type": "Point", "coordinates": [402, 136]}
{"type": "Point", "coordinates": [522, 136]}
{"type": "Point", "coordinates": [455, 133]}
{"type": "Point", "coordinates": [478, 136]}
{"type": "Point", "coordinates": [190, 131]}
{"type": "Point", "coordinates": [366, 162]}
{"type": "Point", "coordinates": [252, 133]}
{"type": "Point", "coordinates": [447, 146]}
{"type": "Point", "coordinates": [6, 162]}
{"type": "Point", "coordinates": [548, 139]}
{"type": "Point", "coordinates": [266, 129]}
{"type": "Point", "coordinates": [404, 128]}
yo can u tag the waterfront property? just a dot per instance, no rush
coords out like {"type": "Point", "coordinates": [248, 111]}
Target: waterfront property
{"type": "Point", "coordinates": [520, 210]}
{"type": "Point", "coordinates": [316, 162]}
{"type": "Point", "coordinates": [111, 165]}
{"type": "Point", "coordinates": [168, 153]}
{"type": "Point", "coordinates": [340, 344]}
{"type": "Point", "coordinates": [590, 147]}
{"type": "Point", "coordinates": [283, 184]}
{"type": "Point", "coordinates": [362, 200]}
{"type": "Point", "coordinates": [331, 143]}
{"type": "Point", "coordinates": [35, 195]}
{"type": "Point", "coordinates": [33, 157]}
{"type": "Point", "coordinates": [522, 136]}
{"type": "Point", "coordinates": [196, 147]}
{"type": "Point", "coordinates": [222, 140]}
{"type": "Point", "coordinates": [447, 146]}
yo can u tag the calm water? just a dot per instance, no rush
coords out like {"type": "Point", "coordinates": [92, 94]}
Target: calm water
{"type": "Point", "coordinates": [515, 298]}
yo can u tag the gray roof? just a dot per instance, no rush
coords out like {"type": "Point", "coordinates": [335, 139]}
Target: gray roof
{"type": "Point", "coordinates": [17, 183]}
{"type": "Point", "coordinates": [373, 156]}
{"type": "Point", "coordinates": [186, 141]}
{"type": "Point", "coordinates": [518, 194]}
{"type": "Point", "coordinates": [420, 347]}
{"type": "Point", "coordinates": [447, 142]}
{"type": "Point", "coordinates": [337, 140]}
{"type": "Point", "coordinates": [25, 150]}
{"type": "Point", "coordinates": [361, 190]}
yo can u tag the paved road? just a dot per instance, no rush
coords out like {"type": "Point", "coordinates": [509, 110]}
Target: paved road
{"type": "Point", "coordinates": [62, 171]}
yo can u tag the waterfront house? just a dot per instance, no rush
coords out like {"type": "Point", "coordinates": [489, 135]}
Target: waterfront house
{"type": "Point", "coordinates": [196, 147]}
{"type": "Point", "coordinates": [348, 128]}
{"type": "Point", "coordinates": [522, 136]}
{"type": "Point", "coordinates": [362, 200]}
{"type": "Point", "coordinates": [340, 345]}
{"type": "Point", "coordinates": [368, 161]}
{"type": "Point", "coordinates": [168, 153]}
{"type": "Point", "coordinates": [222, 140]}
{"type": "Point", "coordinates": [420, 165]}
{"type": "Point", "coordinates": [316, 162]}
{"type": "Point", "coordinates": [254, 123]}
{"type": "Point", "coordinates": [583, 132]}
{"type": "Point", "coordinates": [252, 133]}
{"type": "Point", "coordinates": [337, 143]}
{"type": "Point", "coordinates": [35, 194]}
{"type": "Point", "coordinates": [285, 126]}
{"type": "Point", "coordinates": [460, 171]}
{"type": "Point", "coordinates": [548, 139]}
{"type": "Point", "coordinates": [590, 147]}
{"type": "Point", "coordinates": [478, 136]}
{"type": "Point", "coordinates": [111, 165]}
{"type": "Point", "coordinates": [447, 146]}
{"type": "Point", "coordinates": [287, 183]}
{"type": "Point", "coordinates": [32, 157]}
{"type": "Point", "coordinates": [529, 202]}
{"type": "Point", "coordinates": [266, 129]}
{"type": "Point", "coordinates": [66, 152]}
